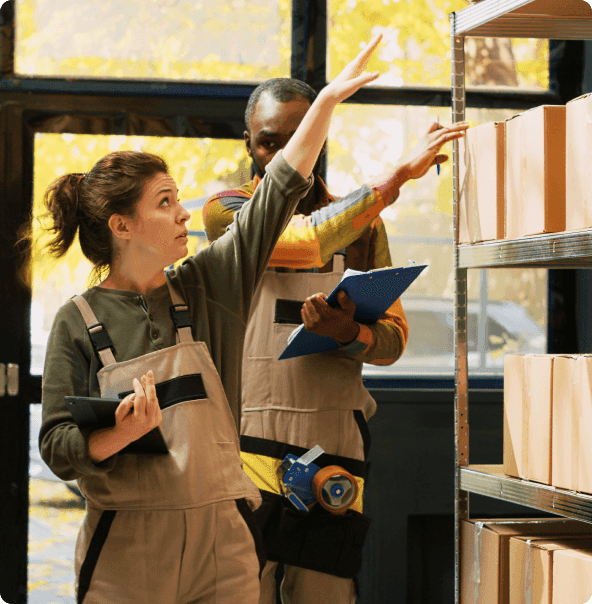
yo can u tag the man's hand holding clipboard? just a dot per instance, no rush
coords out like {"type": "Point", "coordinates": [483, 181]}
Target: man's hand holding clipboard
{"type": "Point", "coordinates": [372, 293]}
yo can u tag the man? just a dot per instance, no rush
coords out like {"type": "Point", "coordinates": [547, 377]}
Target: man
{"type": "Point", "coordinates": [290, 406]}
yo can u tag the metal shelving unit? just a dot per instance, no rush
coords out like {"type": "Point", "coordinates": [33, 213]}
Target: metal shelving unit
{"type": "Point", "coordinates": [553, 19]}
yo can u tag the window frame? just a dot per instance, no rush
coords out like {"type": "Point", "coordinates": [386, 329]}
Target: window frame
{"type": "Point", "coordinates": [215, 110]}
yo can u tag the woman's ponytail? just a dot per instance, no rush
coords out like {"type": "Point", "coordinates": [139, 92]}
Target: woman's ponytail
{"type": "Point", "coordinates": [64, 210]}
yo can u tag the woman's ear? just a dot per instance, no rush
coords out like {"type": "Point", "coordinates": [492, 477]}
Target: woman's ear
{"type": "Point", "coordinates": [119, 226]}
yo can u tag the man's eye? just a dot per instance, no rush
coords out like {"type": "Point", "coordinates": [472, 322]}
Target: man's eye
{"type": "Point", "coordinates": [165, 202]}
{"type": "Point", "coordinates": [269, 144]}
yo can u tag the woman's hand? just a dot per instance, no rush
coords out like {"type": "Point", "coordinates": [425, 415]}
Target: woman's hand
{"type": "Point", "coordinates": [139, 412]}
{"type": "Point", "coordinates": [352, 77]}
{"type": "Point", "coordinates": [337, 323]}
{"type": "Point", "coordinates": [426, 153]}
{"type": "Point", "coordinates": [303, 149]}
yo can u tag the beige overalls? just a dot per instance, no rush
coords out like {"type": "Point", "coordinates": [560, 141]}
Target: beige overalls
{"type": "Point", "coordinates": [290, 406]}
{"type": "Point", "coordinates": [172, 528]}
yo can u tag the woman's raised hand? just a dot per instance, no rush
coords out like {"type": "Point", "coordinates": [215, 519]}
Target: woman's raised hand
{"type": "Point", "coordinates": [303, 149]}
{"type": "Point", "coordinates": [352, 76]}
{"type": "Point", "coordinates": [139, 412]}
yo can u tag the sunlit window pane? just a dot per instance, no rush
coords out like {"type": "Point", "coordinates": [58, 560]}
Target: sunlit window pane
{"type": "Point", "coordinates": [195, 40]}
{"type": "Point", "coordinates": [200, 167]}
{"type": "Point", "coordinates": [365, 141]}
{"type": "Point", "coordinates": [415, 50]}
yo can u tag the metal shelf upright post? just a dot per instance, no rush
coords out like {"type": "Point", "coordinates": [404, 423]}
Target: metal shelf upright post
{"type": "Point", "coordinates": [552, 19]}
{"type": "Point", "coordinates": [461, 402]}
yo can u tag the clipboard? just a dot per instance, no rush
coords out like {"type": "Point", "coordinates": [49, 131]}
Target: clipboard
{"type": "Point", "coordinates": [373, 292]}
{"type": "Point", "coordinates": [93, 413]}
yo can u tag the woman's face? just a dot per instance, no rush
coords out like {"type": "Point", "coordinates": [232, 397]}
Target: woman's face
{"type": "Point", "coordinates": [158, 229]}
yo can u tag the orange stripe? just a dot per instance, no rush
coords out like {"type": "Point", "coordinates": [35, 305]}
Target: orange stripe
{"type": "Point", "coordinates": [370, 214]}
{"type": "Point", "coordinates": [365, 336]}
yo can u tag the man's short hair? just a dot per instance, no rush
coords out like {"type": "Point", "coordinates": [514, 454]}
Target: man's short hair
{"type": "Point", "coordinates": [283, 90]}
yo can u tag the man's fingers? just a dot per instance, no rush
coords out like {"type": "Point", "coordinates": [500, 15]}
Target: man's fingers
{"type": "Point", "coordinates": [440, 158]}
{"type": "Point", "coordinates": [443, 137]}
{"type": "Point", "coordinates": [345, 302]}
{"type": "Point", "coordinates": [433, 127]}
{"type": "Point", "coordinates": [306, 318]}
{"type": "Point", "coordinates": [313, 306]}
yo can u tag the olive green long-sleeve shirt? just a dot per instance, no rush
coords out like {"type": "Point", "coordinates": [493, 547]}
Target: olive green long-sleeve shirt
{"type": "Point", "coordinates": [217, 283]}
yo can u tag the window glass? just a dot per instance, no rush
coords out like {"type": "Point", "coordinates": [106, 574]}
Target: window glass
{"type": "Point", "coordinates": [507, 307]}
{"type": "Point", "coordinates": [416, 46]}
{"type": "Point", "coordinates": [200, 167]}
{"type": "Point", "coordinates": [195, 40]}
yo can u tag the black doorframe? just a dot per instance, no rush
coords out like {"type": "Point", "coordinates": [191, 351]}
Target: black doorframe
{"type": "Point", "coordinates": [15, 347]}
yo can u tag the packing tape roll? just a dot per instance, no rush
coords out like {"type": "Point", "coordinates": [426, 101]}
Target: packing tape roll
{"type": "Point", "coordinates": [336, 489]}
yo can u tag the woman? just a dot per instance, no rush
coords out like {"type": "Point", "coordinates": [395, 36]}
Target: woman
{"type": "Point", "coordinates": [165, 528]}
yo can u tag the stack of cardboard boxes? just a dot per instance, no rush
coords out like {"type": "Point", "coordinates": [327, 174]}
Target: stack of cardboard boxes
{"type": "Point", "coordinates": [527, 561]}
{"type": "Point", "coordinates": [547, 406]}
{"type": "Point", "coordinates": [528, 175]}
{"type": "Point", "coordinates": [547, 419]}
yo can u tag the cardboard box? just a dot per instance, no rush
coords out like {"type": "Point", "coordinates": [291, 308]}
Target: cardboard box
{"type": "Point", "coordinates": [485, 553]}
{"type": "Point", "coordinates": [572, 577]}
{"type": "Point", "coordinates": [528, 416]}
{"type": "Point", "coordinates": [481, 177]}
{"type": "Point", "coordinates": [535, 172]}
{"type": "Point", "coordinates": [532, 566]}
{"type": "Point", "coordinates": [578, 185]}
{"type": "Point", "coordinates": [583, 421]}
{"type": "Point", "coordinates": [564, 470]}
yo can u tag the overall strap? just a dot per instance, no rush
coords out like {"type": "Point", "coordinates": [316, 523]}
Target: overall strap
{"type": "Point", "coordinates": [339, 261]}
{"type": "Point", "coordinates": [180, 314]}
{"type": "Point", "coordinates": [98, 334]}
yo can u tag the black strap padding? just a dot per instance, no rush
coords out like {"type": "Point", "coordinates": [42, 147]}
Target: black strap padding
{"type": "Point", "coordinates": [92, 554]}
{"type": "Point", "coordinates": [288, 311]}
{"type": "Point", "coordinates": [364, 430]}
{"type": "Point", "coordinates": [249, 517]}
{"type": "Point", "coordinates": [178, 390]}
{"type": "Point", "coordinates": [279, 450]}
{"type": "Point", "coordinates": [181, 316]}
{"type": "Point", "coordinates": [100, 339]}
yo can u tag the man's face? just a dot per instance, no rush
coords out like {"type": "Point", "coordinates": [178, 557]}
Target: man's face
{"type": "Point", "coordinates": [272, 125]}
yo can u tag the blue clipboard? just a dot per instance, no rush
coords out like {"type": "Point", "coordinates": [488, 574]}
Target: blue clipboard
{"type": "Point", "coordinates": [373, 292]}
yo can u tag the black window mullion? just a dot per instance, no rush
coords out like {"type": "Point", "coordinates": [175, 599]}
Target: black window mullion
{"type": "Point", "coordinates": [7, 39]}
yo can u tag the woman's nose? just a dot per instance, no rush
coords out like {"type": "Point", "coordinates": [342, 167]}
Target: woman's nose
{"type": "Point", "coordinates": [184, 215]}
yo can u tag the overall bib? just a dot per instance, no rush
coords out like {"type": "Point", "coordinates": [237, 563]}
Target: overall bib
{"type": "Point", "coordinates": [290, 406]}
{"type": "Point", "coordinates": [170, 528]}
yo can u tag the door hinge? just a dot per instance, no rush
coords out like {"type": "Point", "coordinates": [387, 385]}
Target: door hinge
{"type": "Point", "coordinates": [9, 379]}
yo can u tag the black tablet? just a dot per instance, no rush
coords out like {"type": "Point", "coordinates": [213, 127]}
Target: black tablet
{"type": "Point", "coordinates": [94, 413]}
